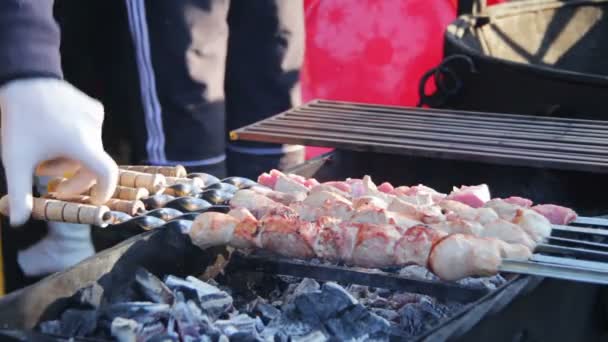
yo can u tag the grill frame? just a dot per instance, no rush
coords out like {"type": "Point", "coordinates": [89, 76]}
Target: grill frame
{"type": "Point", "coordinates": [580, 146]}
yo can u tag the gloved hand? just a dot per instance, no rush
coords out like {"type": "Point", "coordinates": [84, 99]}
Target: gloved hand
{"type": "Point", "coordinates": [50, 127]}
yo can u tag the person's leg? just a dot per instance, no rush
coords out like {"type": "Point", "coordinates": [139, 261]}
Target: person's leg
{"type": "Point", "coordinates": [180, 51]}
{"type": "Point", "coordinates": [265, 54]}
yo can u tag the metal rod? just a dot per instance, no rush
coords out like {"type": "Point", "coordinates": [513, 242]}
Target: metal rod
{"type": "Point", "coordinates": [555, 271]}
{"type": "Point", "coordinates": [576, 243]}
{"type": "Point", "coordinates": [572, 252]}
{"type": "Point", "coordinates": [591, 221]}
{"type": "Point", "coordinates": [579, 230]}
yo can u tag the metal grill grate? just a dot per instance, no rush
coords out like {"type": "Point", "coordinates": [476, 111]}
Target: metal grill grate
{"type": "Point", "coordinates": [519, 140]}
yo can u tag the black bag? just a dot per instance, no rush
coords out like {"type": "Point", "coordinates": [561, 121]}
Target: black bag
{"type": "Point", "coordinates": [538, 57]}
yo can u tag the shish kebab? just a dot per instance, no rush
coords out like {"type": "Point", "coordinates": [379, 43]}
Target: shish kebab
{"type": "Point", "coordinates": [358, 223]}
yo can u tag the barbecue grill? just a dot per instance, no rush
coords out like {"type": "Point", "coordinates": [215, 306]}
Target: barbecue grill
{"type": "Point", "coordinates": [114, 268]}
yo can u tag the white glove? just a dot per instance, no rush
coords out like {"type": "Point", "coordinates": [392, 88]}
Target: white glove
{"type": "Point", "coordinates": [49, 125]}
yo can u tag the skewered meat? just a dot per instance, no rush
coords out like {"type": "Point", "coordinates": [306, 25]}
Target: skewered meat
{"type": "Point", "coordinates": [481, 215]}
{"type": "Point", "coordinates": [369, 245]}
{"type": "Point", "coordinates": [375, 245]}
{"type": "Point", "coordinates": [475, 196]}
{"type": "Point", "coordinates": [381, 216]}
{"type": "Point", "coordinates": [246, 231]}
{"type": "Point", "coordinates": [556, 214]}
{"type": "Point", "coordinates": [335, 241]}
{"type": "Point", "coordinates": [459, 256]}
{"type": "Point", "coordinates": [289, 185]}
{"type": "Point", "coordinates": [288, 236]}
{"type": "Point", "coordinates": [507, 232]}
{"type": "Point", "coordinates": [415, 245]}
{"type": "Point", "coordinates": [425, 190]}
{"type": "Point", "coordinates": [369, 201]}
{"type": "Point", "coordinates": [536, 225]}
{"type": "Point", "coordinates": [520, 201]}
{"type": "Point", "coordinates": [251, 200]}
{"type": "Point", "coordinates": [386, 187]}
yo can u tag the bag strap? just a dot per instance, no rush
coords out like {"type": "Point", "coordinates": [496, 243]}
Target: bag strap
{"type": "Point", "coordinates": [472, 7]}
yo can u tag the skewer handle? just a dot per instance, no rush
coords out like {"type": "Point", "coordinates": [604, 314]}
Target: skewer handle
{"type": "Point", "coordinates": [54, 210]}
{"type": "Point", "coordinates": [167, 171]}
{"type": "Point", "coordinates": [133, 179]}
{"type": "Point", "coordinates": [125, 193]}
{"type": "Point", "coordinates": [196, 181]}
{"type": "Point", "coordinates": [121, 192]}
{"type": "Point", "coordinates": [129, 207]}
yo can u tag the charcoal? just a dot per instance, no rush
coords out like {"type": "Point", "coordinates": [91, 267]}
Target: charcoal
{"type": "Point", "coordinates": [357, 322]}
{"type": "Point", "coordinates": [125, 330]}
{"type": "Point", "coordinates": [238, 324]}
{"type": "Point", "coordinates": [141, 312]}
{"type": "Point", "coordinates": [163, 338]}
{"type": "Point", "coordinates": [151, 330]}
{"type": "Point", "coordinates": [418, 317]}
{"type": "Point", "coordinates": [313, 336]}
{"type": "Point", "coordinates": [389, 315]}
{"type": "Point", "coordinates": [266, 312]}
{"type": "Point", "coordinates": [307, 285]}
{"type": "Point", "coordinates": [50, 327]}
{"type": "Point", "coordinates": [288, 324]}
{"type": "Point", "coordinates": [490, 283]}
{"type": "Point", "coordinates": [186, 322]}
{"type": "Point", "coordinates": [78, 322]}
{"type": "Point", "coordinates": [152, 288]}
{"type": "Point", "coordinates": [323, 304]}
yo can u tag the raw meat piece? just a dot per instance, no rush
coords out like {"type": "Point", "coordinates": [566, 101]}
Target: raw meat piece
{"type": "Point", "coordinates": [386, 187]}
{"type": "Point", "coordinates": [320, 198]}
{"type": "Point", "coordinates": [459, 226]}
{"type": "Point", "coordinates": [556, 214]}
{"type": "Point", "coordinates": [535, 224]}
{"type": "Point", "coordinates": [461, 210]}
{"type": "Point", "coordinates": [288, 236]}
{"type": "Point", "coordinates": [342, 186]}
{"type": "Point", "coordinates": [335, 241]}
{"type": "Point", "coordinates": [415, 245]}
{"type": "Point", "coordinates": [277, 196]}
{"type": "Point", "coordinates": [425, 190]}
{"type": "Point", "coordinates": [381, 216]}
{"type": "Point", "coordinates": [369, 201]}
{"type": "Point", "coordinates": [426, 214]}
{"type": "Point", "coordinates": [289, 185]}
{"type": "Point", "coordinates": [505, 210]}
{"type": "Point", "coordinates": [246, 232]}
{"type": "Point", "coordinates": [330, 188]}
{"type": "Point", "coordinates": [400, 190]}
{"type": "Point", "coordinates": [375, 245]}
{"type": "Point", "coordinates": [475, 196]}
{"type": "Point", "coordinates": [520, 201]}
{"type": "Point", "coordinates": [270, 179]}
{"type": "Point", "coordinates": [507, 232]}
{"type": "Point", "coordinates": [251, 200]}
{"type": "Point", "coordinates": [213, 229]}
{"type": "Point", "coordinates": [459, 256]}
